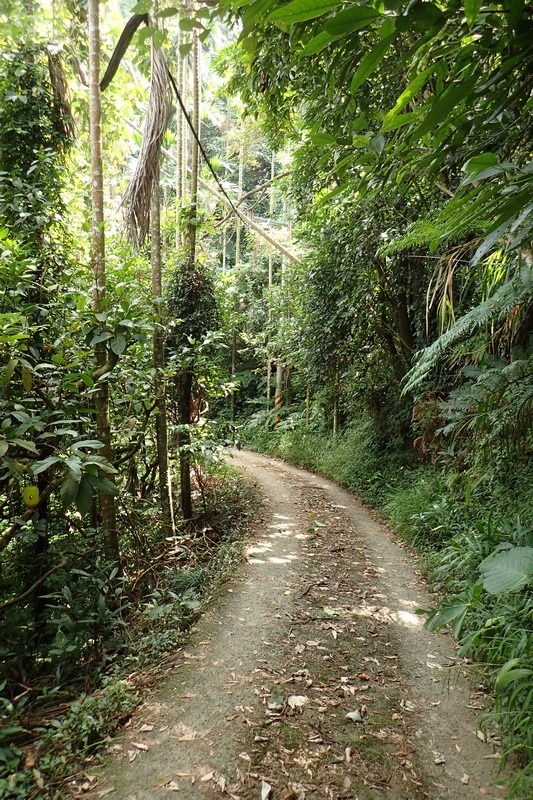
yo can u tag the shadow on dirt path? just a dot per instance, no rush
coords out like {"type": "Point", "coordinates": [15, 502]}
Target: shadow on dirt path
{"type": "Point", "coordinates": [319, 624]}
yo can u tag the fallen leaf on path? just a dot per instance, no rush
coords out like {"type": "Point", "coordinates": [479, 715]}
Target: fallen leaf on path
{"type": "Point", "coordinates": [276, 703]}
{"type": "Point", "coordinates": [172, 786]}
{"type": "Point", "coordinates": [439, 759]}
{"type": "Point", "coordinates": [354, 716]}
{"type": "Point", "coordinates": [140, 745]}
{"type": "Point", "coordinates": [163, 781]}
{"type": "Point", "coordinates": [147, 727]}
{"type": "Point", "coordinates": [288, 794]}
{"type": "Point", "coordinates": [207, 777]}
{"type": "Point", "coordinates": [465, 779]}
{"type": "Point", "coordinates": [266, 790]}
{"type": "Point", "coordinates": [182, 733]}
{"type": "Point", "coordinates": [297, 701]}
{"type": "Point", "coordinates": [132, 755]}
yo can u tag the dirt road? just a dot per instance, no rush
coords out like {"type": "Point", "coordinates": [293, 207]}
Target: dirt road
{"type": "Point", "coordinates": [319, 624]}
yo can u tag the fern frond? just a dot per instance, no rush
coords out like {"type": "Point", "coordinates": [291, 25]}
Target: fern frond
{"type": "Point", "coordinates": [518, 289]}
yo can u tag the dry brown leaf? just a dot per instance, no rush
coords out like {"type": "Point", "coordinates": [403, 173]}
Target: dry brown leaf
{"type": "Point", "coordinates": [140, 746]}
{"type": "Point", "coordinates": [288, 794]}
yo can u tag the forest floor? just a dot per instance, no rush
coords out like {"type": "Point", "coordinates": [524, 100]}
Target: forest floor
{"type": "Point", "coordinates": [310, 675]}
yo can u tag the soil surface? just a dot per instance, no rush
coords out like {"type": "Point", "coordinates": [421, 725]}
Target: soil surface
{"type": "Point", "coordinates": [311, 676]}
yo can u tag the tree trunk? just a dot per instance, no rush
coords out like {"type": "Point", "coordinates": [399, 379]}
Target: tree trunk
{"type": "Point", "coordinates": [186, 379]}
{"type": "Point", "coordinates": [237, 263]}
{"type": "Point", "coordinates": [106, 501]}
{"type": "Point", "coordinates": [270, 285]}
{"type": "Point", "coordinates": [180, 162]}
{"type": "Point", "coordinates": [336, 403]}
{"type": "Point", "coordinates": [165, 482]}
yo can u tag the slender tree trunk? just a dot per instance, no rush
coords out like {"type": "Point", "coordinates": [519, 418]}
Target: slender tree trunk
{"type": "Point", "coordinates": [336, 403]}
{"type": "Point", "coordinates": [191, 233]}
{"type": "Point", "coordinates": [270, 285]}
{"type": "Point", "coordinates": [186, 381]}
{"type": "Point", "coordinates": [107, 502]}
{"type": "Point", "coordinates": [237, 263]}
{"type": "Point", "coordinates": [180, 171]}
{"type": "Point", "coordinates": [307, 406]}
{"type": "Point", "coordinates": [165, 482]}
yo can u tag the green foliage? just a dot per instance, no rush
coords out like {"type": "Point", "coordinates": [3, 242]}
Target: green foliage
{"type": "Point", "coordinates": [192, 306]}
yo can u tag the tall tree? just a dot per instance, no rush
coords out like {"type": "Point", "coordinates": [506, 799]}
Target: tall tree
{"type": "Point", "coordinates": [101, 350]}
{"type": "Point", "coordinates": [186, 379]}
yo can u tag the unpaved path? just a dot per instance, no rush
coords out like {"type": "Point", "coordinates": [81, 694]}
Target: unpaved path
{"type": "Point", "coordinates": [319, 623]}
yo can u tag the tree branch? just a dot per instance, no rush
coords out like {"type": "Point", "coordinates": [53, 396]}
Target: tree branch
{"type": "Point", "coordinates": [34, 586]}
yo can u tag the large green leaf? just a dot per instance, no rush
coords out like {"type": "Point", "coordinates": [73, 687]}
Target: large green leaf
{"type": "Point", "coordinates": [318, 43]}
{"type": "Point", "coordinates": [409, 93]}
{"type": "Point", "coordinates": [69, 489]}
{"type": "Point", "coordinates": [472, 8]}
{"type": "Point", "coordinates": [302, 10]}
{"type": "Point", "coordinates": [511, 672]}
{"type": "Point", "coordinates": [84, 497]}
{"type": "Point", "coordinates": [507, 570]}
{"type": "Point", "coordinates": [351, 19]}
{"type": "Point", "coordinates": [444, 104]}
{"type": "Point", "coordinates": [370, 62]}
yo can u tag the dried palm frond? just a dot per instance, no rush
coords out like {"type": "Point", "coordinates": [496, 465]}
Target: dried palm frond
{"type": "Point", "coordinates": [137, 198]}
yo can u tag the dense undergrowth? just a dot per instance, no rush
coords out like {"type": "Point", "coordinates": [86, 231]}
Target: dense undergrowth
{"type": "Point", "coordinates": [116, 634]}
{"type": "Point", "coordinates": [456, 520]}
